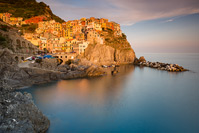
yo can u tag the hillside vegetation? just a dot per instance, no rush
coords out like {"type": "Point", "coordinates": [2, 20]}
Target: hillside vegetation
{"type": "Point", "coordinates": [117, 42]}
{"type": "Point", "coordinates": [27, 9]}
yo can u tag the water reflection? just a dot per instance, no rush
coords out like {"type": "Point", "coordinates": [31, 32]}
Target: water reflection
{"type": "Point", "coordinates": [133, 100]}
{"type": "Point", "coordinates": [95, 91]}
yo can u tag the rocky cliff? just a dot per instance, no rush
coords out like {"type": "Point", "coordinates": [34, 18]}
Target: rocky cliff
{"type": "Point", "coordinates": [18, 113]}
{"type": "Point", "coordinates": [115, 50]}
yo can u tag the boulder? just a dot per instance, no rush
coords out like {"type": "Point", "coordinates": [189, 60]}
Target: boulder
{"type": "Point", "coordinates": [94, 71]}
{"type": "Point", "coordinates": [141, 59]}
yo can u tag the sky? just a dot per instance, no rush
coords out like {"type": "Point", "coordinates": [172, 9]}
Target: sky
{"type": "Point", "coordinates": [151, 26]}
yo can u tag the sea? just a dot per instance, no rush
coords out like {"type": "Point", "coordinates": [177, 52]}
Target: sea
{"type": "Point", "coordinates": [135, 100]}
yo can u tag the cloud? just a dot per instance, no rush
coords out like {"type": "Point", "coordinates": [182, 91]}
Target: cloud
{"type": "Point", "coordinates": [170, 20]}
{"type": "Point", "coordinates": [126, 12]}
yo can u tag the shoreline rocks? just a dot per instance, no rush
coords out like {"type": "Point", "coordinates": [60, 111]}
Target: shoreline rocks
{"type": "Point", "coordinates": [158, 65]}
{"type": "Point", "coordinates": [18, 113]}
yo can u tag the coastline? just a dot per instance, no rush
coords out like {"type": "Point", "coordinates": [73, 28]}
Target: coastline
{"type": "Point", "coordinates": [14, 77]}
{"type": "Point", "coordinates": [18, 111]}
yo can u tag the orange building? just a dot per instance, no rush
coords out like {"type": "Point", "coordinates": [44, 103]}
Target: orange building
{"type": "Point", "coordinates": [5, 17]}
{"type": "Point", "coordinates": [36, 19]}
{"type": "Point", "coordinates": [103, 20]}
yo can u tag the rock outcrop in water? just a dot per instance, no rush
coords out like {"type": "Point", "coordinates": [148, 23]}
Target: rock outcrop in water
{"type": "Point", "coordinates": [158, 65]}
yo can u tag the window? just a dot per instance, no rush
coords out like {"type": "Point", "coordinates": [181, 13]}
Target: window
{"type": "Point", "coordinates": [60, 56]}
{"type": "Point", "coordinates": [65, 56]}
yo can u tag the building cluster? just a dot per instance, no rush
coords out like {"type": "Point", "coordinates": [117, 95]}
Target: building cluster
{"type": "Point", "coordinates": [7, 17]}
{"type": "Point", "coordinates": [67, 37]}
{"type": "Point", "coordinates": [71, 36]}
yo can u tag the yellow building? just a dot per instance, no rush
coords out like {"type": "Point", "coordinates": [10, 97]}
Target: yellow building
{"type": "Point", "coordinates": [5, 17]}
{"type": "Point", "coordinates": [94, 37]}
{"type": "Point", "coordinates": [58, 29]}
{"type": "Point", "coordinates": [67, 30]}
{"type": "Point", "coordinates": [15, 21]}
{"type": "Point", "coordinates": [82, 46]}
{"type": "Point", "coordinates": [69, 44]}
{"type": "Point", "coordinates": [97, 26]}
{"type": "Point", "coordinates": [83, 19]}
{"type": "Point", "coordinates": [103, 25]}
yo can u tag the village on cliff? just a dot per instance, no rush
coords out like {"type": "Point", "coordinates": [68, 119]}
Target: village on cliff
{"type": "Point", "coordinates": [63, 40]}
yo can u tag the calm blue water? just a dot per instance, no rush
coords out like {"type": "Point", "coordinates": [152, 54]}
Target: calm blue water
{"type": "Point", "coordinates": [140, 100]}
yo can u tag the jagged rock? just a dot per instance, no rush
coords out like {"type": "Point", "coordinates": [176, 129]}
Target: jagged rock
{"type": "Point", "coordinates": [125, 56]}
{"type": "Point", "coordinates": [19, 114]}
{"type": "Point", "coordinates": [73, 67]}
{"type": "Point", "coordinates": [158, 65]}
{"type": "Point", "coordinates": [63, 68]}
{"type": "Point", "coordinates": [141, 59]}
{"type": "Point", "coordinates": [85, 62]}
{"type": "Point", "coordinates": [94, 71]}
{"type": "Point", "coordinates": [17, 111]}
{"type": "Point", "coordinates": [49, 64]}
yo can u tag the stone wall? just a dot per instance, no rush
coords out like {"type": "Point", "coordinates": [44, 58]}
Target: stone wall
{"type": "Point", "coordinates": [18, 44]}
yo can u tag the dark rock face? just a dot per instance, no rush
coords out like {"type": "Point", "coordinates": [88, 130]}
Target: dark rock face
{"type": "Point", "coordinates": [19, 114]}
{"type": "Point", "coordinates": [124, 56]}
{"type": "Point", "coordinates": [17, 111]}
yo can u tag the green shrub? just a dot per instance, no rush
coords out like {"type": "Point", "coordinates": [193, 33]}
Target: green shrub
{"type": "Point", "coordinates": [4, 27]}
{"type": "Point", "coordinates": [29, 27]}
{"type": "Point", "coordinates": [2, 39]}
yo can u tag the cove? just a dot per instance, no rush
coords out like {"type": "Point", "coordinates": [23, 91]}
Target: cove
{"type": "Point", "coordinates": [137, 99]}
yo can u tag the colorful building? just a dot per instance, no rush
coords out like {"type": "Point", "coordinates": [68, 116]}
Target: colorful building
{"type": "Point", "coordinates": [94, 37]}
{"type": "Point", "coordinates": [82, 46]}
{"type": "Point", "coordinates": [36, 19]}
{"type": "Point", "coordinates": [5, 17]}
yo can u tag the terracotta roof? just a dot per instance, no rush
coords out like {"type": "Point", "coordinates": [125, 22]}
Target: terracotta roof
{"type": "Point", "coordinates": [69, 39]}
